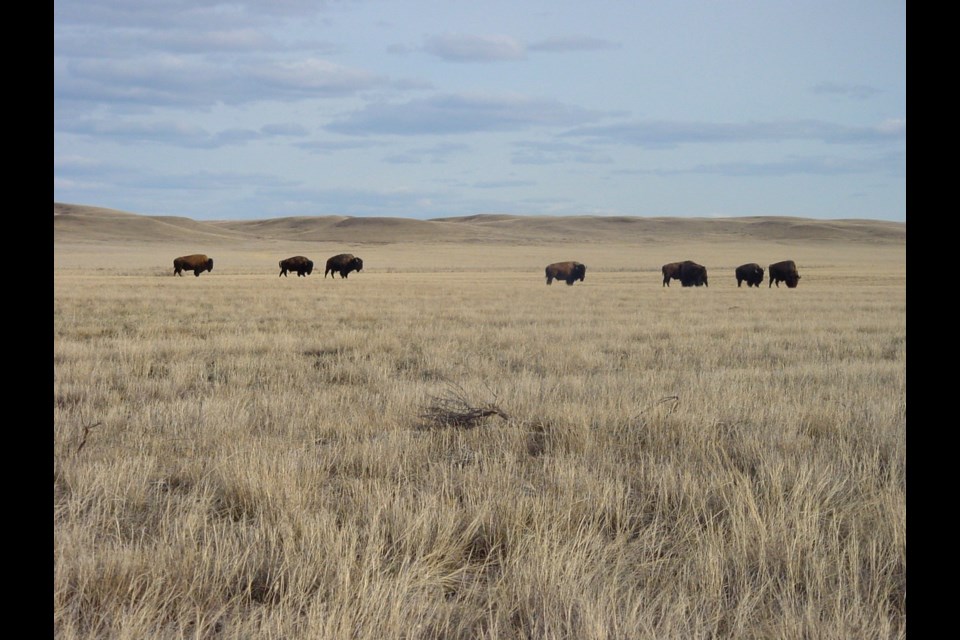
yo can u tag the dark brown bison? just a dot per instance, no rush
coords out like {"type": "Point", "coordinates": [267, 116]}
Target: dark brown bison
{"type": "Point", "coordinates": [671, 271]}
{"type": "Point", "coordinates": [198, 263]}
{"type": "Point", "coordinates": [751, 273]}
{"type": "Point", "coordinates": [693, 274]}
{"type": "Point", "coordinates": [343, 264]}
{"type": "Point", "coordinates": [301, 265]}
{"type": "Point", "coordinates": [785, 271]}
{"type": "Point", "coordinates": [569, 272]}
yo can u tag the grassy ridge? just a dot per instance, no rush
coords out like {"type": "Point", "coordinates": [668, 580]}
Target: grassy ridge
{"type": "Point", "coordinates": [674, 462]}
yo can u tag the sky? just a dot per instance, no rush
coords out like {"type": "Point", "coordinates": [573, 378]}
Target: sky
{"type": "Point", "coordinates": [256, 109]}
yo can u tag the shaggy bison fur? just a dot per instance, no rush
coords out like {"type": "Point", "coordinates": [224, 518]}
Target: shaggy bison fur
{"type": "Point", "coordinates": [751, 273]}
{"type": "Point", "coordinates": [693, 274]}
{"type": "Point", "coordinates": [785, 271]}
{"type": "Point", "coordinates": [303, 266]}
{"type": "Point", "coordinates": [198, 263]}
{"type": "Point", "coordinates": [569, 272]}
{"type": "Point", "coordinates": [696, 274]}
{"type": "Point", "coordinates": [343, 264]}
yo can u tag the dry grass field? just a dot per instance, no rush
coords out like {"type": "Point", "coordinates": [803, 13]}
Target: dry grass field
{"type": "Point", "coordinates": [441, 446]}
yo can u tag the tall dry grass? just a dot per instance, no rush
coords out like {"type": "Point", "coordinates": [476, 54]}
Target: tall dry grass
{"type": "Point", "coordinates": [670, 463]}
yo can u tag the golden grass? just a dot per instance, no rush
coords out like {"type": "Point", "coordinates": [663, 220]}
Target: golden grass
{"type": "Point", "coordinates": [670, 463]}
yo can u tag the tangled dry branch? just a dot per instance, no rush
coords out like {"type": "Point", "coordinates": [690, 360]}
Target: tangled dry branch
{"type": "Point", "coordinates": [86, 432]}
{"type": "Point", "coordinates": [454, 409]}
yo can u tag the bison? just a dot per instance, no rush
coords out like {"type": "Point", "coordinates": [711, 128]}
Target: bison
{"type": "Point", "coordinates": [198, 263]}
{"type": "Point", "coordinates": [751, 273]}
{"type": "Point", "coordinates": [671, 271]}
{"type": "Point", "coordinates": [693, 274]}
{"type": "Point", "coordinates": [303, 266]}
{"type": "Point", "coordinates": [343, 264]}
{"type": "Point", "coordinates": [569, 272]}
{"type": "Point", "coordinates": [785, 271]}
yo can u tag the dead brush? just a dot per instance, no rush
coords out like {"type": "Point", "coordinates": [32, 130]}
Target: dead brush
{"type": "Point", "coordinates": [86, 432]}
{"type": "Point", "coordinates": [454, 409]}
{"type": "Point", "coordinates": [671, 404]}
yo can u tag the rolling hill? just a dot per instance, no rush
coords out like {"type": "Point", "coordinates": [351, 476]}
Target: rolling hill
{"type": "Point", "coordinates": [89, 224]}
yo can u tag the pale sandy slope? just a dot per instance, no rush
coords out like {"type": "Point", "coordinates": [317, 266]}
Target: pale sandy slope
{"type": "Point", "coordinates": [86, 224]}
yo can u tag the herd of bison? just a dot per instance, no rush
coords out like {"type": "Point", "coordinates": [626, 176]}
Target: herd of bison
{"type": "Point", "coordinates": [689, 273]}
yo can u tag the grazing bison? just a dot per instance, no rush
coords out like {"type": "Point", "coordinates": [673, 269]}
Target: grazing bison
{"type": "Point", "coordinates": [751, 273]}
{"type": "Point", "coordinates": [343, 264]}
{"type": "Point", "coordinates": [569, 272]}
{"type": "Point", "coordinates": [785, 271]}
{"type": "Point", "coordinates": [671, 271]}
{"type": "Point", "coordinates": [693, 274]}
{"type": "Point", "coordinates": [198, 263]}
{"type": "Point", "coordinates": [301, 265]}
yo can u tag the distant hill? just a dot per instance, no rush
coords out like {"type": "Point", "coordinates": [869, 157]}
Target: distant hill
{"type": "Point", "coordinates": [78, 223]}
{"type": "Point", "coordinates": [87, 224]}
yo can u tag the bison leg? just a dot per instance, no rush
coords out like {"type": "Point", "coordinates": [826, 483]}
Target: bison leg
{"type": "Point", "coordinates": [549, 280]}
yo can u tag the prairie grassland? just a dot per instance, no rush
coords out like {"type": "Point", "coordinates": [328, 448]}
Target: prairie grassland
{"type": "Point", "coordinates": [240, 455]}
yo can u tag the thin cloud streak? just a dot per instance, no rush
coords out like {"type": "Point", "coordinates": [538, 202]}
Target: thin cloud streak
{"type": "Point", "coordinates": [167, 14]}
{"type": "Point", "coordinates": [460, 113]}
{"type": "Point", "coordinates": [471, 48]}
{"type": "Point", "coordinates": [563, 44]}
{"type": "Point", "coordinates": [554, 152]}
{"type": "Point", "coordinates": [892, 164]}
{"type": "Point", "coordinates": [186, 81]}
{"type": "Point", "coordinates": [662, 134]}
{"type": "Point", "coordinates": [175, 134]}
{"type": "Point", "coordinates": [855, 91]}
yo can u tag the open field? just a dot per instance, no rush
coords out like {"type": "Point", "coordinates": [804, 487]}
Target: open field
{"type": "Point", "coordinates": [240, 455]}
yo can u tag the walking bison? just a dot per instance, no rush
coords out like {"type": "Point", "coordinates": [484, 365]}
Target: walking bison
{"type": "Point", "coordinates": [198, 263]}
{"type": "Point", "coordinates": [671, 271]}
{"type": "Point", "coordinates": [693, 274]}
{"type": "Point", "coordinates": [785, 271]}
{"type": "Point", "coordinates": [303, 266]}
{"type": "Point", "coordinates": [343, 264]}
{"type": "Point", "coordinates": [569, 272]}
{"type": "Point", "coordinates": [751, 273]}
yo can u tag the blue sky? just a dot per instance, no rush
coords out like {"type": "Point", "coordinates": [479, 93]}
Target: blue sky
{"type": "Point", "coordinates": [419, 108]}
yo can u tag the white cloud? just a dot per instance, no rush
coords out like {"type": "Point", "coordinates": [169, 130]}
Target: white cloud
{"type": "Point", "coordinates": [471, 48]}
{"type": "Point", "coordinates": [312, 76]}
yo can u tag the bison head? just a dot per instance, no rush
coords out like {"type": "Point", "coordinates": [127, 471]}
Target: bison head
{"type": "Point", "coordinates": [309, 267]}
{"type": "Point", "coordinates": [579, 272]}
{"type": "Point", "coordinates": [356, 264]}
{"type": "Point", "coordinates": [210, 264]}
